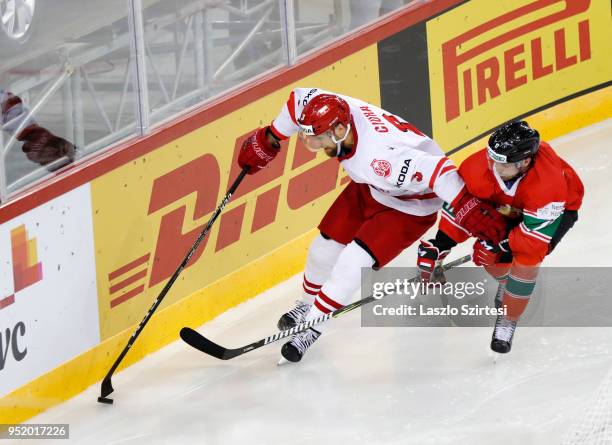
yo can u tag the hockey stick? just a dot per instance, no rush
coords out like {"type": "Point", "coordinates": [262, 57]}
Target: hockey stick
{"type": "Point", "coordinates": [107, 386]}
{"type": "Point", "coordinates": [198, 341]}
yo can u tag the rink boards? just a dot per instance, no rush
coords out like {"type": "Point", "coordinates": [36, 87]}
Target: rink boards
{"type": "Point", "coordinates": [85, 256]}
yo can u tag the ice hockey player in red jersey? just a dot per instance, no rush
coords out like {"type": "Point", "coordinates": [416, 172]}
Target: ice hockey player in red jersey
{"type": "Point", "coordinates": [539, 194]}
{"type": "Point", "coordinates": [400, 178]}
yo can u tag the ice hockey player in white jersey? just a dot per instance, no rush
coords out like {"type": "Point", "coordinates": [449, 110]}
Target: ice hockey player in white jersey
{"type": "Point", "coordinates": [400, 178]}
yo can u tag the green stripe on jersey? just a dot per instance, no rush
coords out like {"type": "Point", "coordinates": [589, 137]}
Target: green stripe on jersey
{"type": "Point", "coordinates": [545, 227]}
{"type": "Point", "coordinates": [447, 207]}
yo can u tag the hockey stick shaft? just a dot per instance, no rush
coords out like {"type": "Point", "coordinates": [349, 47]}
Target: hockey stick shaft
{"type": "Point", "coordinates": [198, 341]}
{"type": "Point", "coordinates": [107, 386]}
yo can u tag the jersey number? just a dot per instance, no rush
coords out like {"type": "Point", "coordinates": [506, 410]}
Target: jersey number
{"type": "Point", "coordinates": [401, 125]}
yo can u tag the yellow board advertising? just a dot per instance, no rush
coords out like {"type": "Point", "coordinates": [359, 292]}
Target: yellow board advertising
{"type": "Point", "coordinates": [148, 213]}
{"type": "Point", "coordinates": [491, 61]}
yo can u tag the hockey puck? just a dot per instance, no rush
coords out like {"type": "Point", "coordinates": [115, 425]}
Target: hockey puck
{"type": "Point", "coordinates": [105, 400]}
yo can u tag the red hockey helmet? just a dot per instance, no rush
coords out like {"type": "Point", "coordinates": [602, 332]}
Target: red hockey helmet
{"type": "Point", "coordinates": [323, 113]}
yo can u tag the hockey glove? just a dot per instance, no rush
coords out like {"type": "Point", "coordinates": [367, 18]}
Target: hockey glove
{"type": "Point", "coordinates": [568, 220]}
{"type": "Point", "coordinates": [487, 254]}
{"type": "Point", "coordinates": [430, 257]}
{"type": "Point", "coordinates": [42, 146]}
{"type": "Point", "coordinates": [479, 218]}
{"type": "Point", "coordinates": [258, 150]}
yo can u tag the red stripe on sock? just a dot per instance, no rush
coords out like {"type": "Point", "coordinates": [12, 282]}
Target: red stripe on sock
{"type": "Point", "coordinates": [309, 284]}
{"type": "Point", "coordinates": [321, 307]}
{"type": "Point", "coordinates": [308, 291]}
{"type": "Point", "coordinates": [329, 301]}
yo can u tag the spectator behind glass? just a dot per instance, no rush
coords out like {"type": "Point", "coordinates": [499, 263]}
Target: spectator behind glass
{"type": "Point", "coordinates": [39, 144]}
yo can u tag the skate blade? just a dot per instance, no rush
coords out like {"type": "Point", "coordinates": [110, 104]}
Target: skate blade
{"type": "Point", "coordinates": [495, 356]}
{"type": "Point", "coordinates": [282, 361]}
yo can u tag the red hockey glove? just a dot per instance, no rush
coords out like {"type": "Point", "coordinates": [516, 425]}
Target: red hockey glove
{"type": "Point", "coordinates": [257, 151]}
{"type": "Point", "coordinates": [487, 253]}
{"type": "Point", "coordinates": [42, 146]}
{"type": "Point", "coordinates": [479, 218]}
{"type": "Point", "coordinates": [430, 257]}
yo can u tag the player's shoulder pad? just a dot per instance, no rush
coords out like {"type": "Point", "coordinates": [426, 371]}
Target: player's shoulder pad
{"type": "Point", "coordinates": [304, 95]}
{"type": "Point", "coordinates": [474, 170]}
{"type": "Point", "coordinates": [545, 181]}
{"type": "Point", "coordinates": [474, 165]}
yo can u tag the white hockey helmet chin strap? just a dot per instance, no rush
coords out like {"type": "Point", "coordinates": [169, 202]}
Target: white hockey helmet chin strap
{"type": "Point", "coordinates": [339, 142]}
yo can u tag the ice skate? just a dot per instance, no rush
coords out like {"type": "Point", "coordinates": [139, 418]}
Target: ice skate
{"type": "Point", "coordinates": [295, 349]}
{"type": "Point", "coordinates": [502, 335]}
{"type": "Point", "coordinates": [294, 317]}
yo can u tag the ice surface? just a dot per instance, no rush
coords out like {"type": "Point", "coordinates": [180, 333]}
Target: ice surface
{"type": "Point", "coordinates": [371, 385]}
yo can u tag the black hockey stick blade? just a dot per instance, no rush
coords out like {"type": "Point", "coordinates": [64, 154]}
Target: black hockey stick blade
{"type": "Point", "coordinates": [107, 388]}
{"type": "Point", "coordinates": [201, 343]}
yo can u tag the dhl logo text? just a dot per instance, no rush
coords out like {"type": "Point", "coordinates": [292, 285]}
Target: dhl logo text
{"type": "Point", "coordinates": [202, 178]}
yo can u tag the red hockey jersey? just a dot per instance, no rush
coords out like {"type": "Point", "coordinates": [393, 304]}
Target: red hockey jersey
{"type": "Point", "coordinates": [538, 198]}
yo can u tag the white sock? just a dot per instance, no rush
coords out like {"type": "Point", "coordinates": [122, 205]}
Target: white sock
{"type": "Point", "coordinates": [322, 256]}
{"type": "Point", "coordinates": [344, 281]}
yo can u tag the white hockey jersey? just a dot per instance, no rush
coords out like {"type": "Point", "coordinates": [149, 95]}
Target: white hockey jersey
{"type": "Point", "coordinates": [404, 169]}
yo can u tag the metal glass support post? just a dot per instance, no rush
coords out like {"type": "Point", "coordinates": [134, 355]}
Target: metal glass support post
{"type": "Point", "coordinates": [207, 39]}
{"type": "Point", "coordinates": [199, 49]}
{"type": "Point", "coordinates": [79, 125]}
{"type": "Point", "coordinates": [3, 180]}
{"type": "Point", "coordinates": [287, 15]}
{"type": "Point", "coordinates": [67, 105]}
{"type": "Point", "coordinates": [137, 48]}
